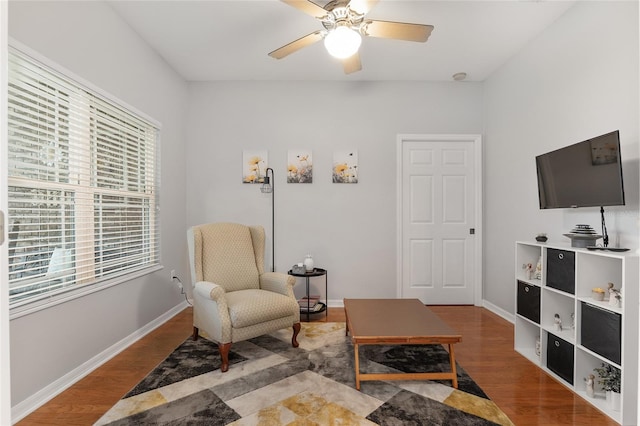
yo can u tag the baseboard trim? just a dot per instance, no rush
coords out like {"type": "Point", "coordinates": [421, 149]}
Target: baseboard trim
{"type": "Point", "coordinates": [35, 401]}
{"type": "Point", "coordinates": [499, 311]}
{"type": "Point", "coordinates": [335, 303]}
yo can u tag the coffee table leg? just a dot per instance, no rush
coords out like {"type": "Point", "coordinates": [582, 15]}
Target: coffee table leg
{"type": "Point", "coordinates": [452, 360]}
{"type": "Point", "coordinates": [346, 331]}
{"type": "Point", "coordinates": [357, 365]}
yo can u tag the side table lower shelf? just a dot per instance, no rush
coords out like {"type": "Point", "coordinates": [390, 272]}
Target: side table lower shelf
{"type": "Point", "coordinates": [319, 308]}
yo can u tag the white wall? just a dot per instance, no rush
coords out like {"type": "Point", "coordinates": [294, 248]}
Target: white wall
{"type": "Point", "coordinates": [90, 40]}
{"type": "Point", "coordinates": [577, 80]}
{"type": "Point", "coordinates": [350, 229]}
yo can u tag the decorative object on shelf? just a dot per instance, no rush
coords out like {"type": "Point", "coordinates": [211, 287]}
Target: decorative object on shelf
{"type": "Point", "coordinates": [573, 320]}
{"type": "Point", "coordinates": [528, 270]}
{"type": "Point", "coordinates": [609, 378]}
{"type": "Point", "coordinates": [615, 297]}
{"type": "Point", "coordinates": [538, 346]}
{"type": "Point", "coordinates": [583, 236]}
{"type": "Point", "coordinates": [589, 385]}
{"type": "Point", "coordinates": [583, 229]}
{"type": "Point", "coordinates": [308, 263]}
{"type": "Point", "coordinates": [541, 237]}
{"type": "Point", "coordinates": [299, 268]}
{"type": "Point", "coordinates": [557, 322]}
{"type": "Point", "coordinates": [538, 273]}
{"type": "Point", "coordinates": [597, 294]}
{"type": "Point", "coordinates": [268, 187]}
{"type": "Point", "coordinates": [615, 400]}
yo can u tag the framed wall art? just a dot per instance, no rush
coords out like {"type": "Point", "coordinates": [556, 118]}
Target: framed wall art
{"type": "Point", "coordinates": [254, 165]}
{"type": "Point", "coordinates": [299, 167]}
{"type": "Point", "coordinates": [345, 167]}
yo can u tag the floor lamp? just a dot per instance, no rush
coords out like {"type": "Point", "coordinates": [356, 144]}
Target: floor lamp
{"type": "Point", "coordinates": [267, 188]}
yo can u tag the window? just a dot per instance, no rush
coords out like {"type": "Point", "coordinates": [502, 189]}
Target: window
{"type": "Point", "coordinates": [83, 180]}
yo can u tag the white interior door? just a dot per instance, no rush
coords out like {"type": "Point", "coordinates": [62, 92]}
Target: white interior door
{"type": "Point", "coordinates": [440, 218]}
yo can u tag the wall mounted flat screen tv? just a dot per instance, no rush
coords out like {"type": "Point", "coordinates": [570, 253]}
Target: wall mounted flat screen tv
{"type": "Point", "coordinates": [585, 174]}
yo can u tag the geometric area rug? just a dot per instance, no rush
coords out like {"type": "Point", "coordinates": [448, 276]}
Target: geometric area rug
{"type": "Point", "coordinates": [271, 383]}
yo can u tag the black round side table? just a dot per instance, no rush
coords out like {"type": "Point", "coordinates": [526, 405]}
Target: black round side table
{"type": "Point", "coordinates": [308, 310]}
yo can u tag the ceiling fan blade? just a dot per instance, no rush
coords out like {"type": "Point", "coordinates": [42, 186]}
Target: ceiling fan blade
{"type": "Point", "coordinates": [307, 7]}
{"type": "Point", "coordinates": [352, 63]}
{"type": "Point", "coordinates": [362, 6]}
{"type": "Point", "coordinates": [397, 30]}
{"type": "Point", "coordinates": [296, 45]}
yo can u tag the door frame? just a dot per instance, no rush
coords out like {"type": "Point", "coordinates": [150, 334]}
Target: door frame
{"type": "Point", "coordinates": [427, 138]}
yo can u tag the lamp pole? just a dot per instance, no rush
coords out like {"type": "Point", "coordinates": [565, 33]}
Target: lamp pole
{"type": "Point", "coordinates": [269, 187]}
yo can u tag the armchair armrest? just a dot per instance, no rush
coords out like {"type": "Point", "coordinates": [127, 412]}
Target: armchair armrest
{"type": "Point", "coordinates": [206, 289]}
{"type": "Point", "coordinates": [278, 283]}
{"type": "Point", "coordinates": [211, 312]}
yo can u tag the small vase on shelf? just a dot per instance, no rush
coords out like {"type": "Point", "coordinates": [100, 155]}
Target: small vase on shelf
{"type": "Point", "coordinates": [614, 400]}
{"type": "Point", "coordinates": [308, 263]}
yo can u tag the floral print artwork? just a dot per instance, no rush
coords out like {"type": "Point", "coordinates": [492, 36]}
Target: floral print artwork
{"type": "Point", "coordinates": [345, 167]}
{"type": "Point", "coordinates": [299, 167]}
{"type": "Point", "coordinates": [254, 166]}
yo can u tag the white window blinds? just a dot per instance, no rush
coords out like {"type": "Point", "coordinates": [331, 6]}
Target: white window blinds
{"type": "Point", "coordinates": [83, 177]}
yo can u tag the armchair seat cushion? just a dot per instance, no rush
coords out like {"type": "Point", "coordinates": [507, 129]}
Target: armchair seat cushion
{"type": "Point", "coordinates": [254, 306]}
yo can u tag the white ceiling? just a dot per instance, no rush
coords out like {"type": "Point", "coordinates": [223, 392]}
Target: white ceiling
{"type": "Point", "coordinates": [229, 39]}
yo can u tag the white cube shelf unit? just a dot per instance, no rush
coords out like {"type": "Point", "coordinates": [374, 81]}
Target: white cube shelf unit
{"type": "Point", "coordinates": [564, 287]}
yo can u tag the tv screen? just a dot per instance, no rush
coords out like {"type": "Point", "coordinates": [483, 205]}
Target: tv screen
{"type": "Point", "coordinates": [586, 174]}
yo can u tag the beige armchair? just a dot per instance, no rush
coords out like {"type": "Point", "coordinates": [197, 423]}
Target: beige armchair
{"type": "Point", "coordinates": [234, 299]}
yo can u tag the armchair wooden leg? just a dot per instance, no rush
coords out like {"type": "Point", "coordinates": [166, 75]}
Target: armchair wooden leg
{"type": "Point", "coordinates": [195, 333]}
{"type": "Point", "coordinates": [296, 330]}
{"type": "Point", "coordinates": [224, 354]}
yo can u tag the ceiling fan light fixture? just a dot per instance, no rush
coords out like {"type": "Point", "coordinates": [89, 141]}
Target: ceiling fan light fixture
{"type": "Point", "coordinates": [342, 42]}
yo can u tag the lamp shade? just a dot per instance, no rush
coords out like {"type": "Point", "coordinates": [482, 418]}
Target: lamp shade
{"type": "Point", "coordinates": [266, 187]}
{"type": "Point", "coordinates": [342, 42]}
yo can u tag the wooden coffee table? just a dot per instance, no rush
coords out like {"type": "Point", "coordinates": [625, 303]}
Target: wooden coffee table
{"type": "Point", "coordinates": [398, 322]}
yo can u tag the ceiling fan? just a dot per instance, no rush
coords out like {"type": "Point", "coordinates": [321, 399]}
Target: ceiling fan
{"type": "Point", "coordinates": [344, 25]}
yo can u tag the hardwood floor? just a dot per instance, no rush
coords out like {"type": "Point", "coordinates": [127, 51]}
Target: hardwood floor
{"type": "Point", "coordinates": [524, 392]}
